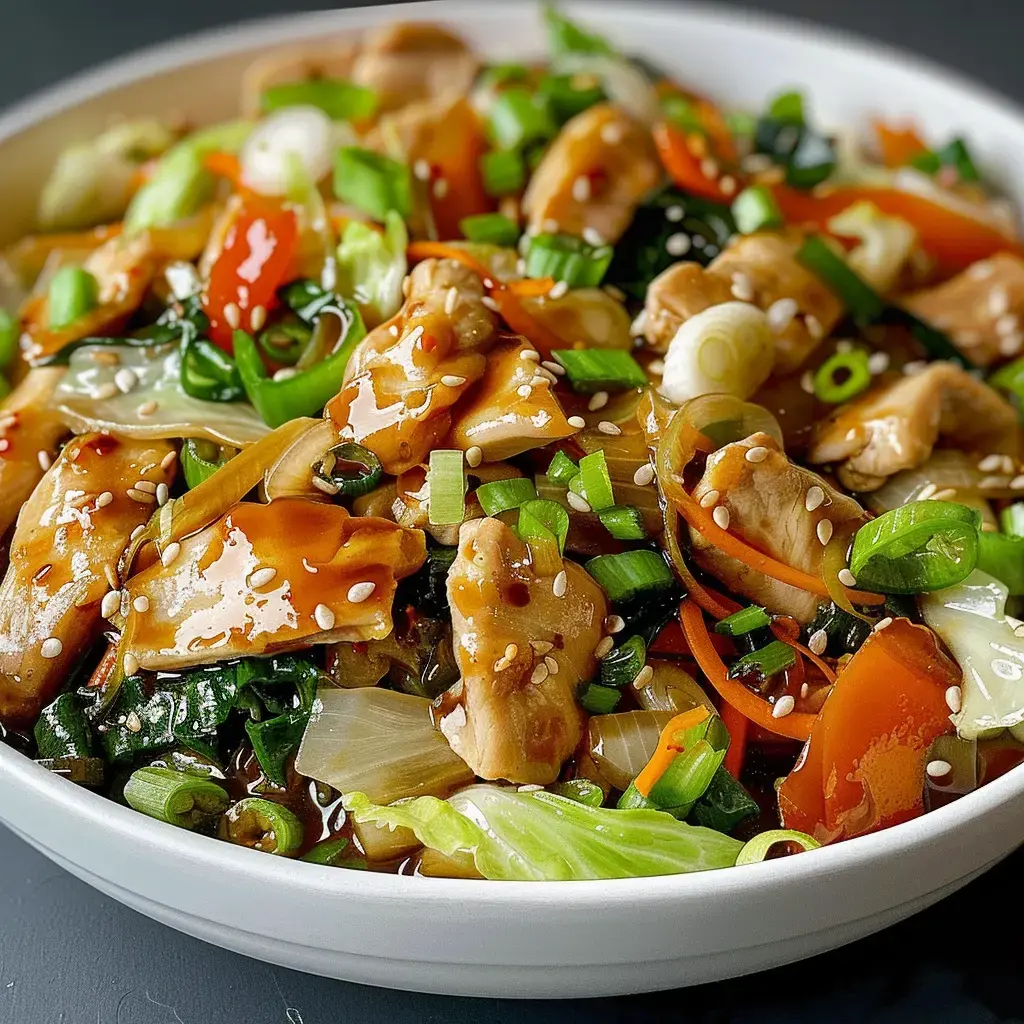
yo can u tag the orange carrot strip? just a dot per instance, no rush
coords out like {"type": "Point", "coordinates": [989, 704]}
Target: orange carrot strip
{"type": "Point", "coordinates": [898, 145]}
{"type": "Point", "coordinates": [531, 287]}
{"type": "Point", "coordinates": [739, 726]}
{"type": "Point", "coordinates": [667, 749]}
{"type": "Point", "coordinates": [782, 634]}
{"type": "Point", "coordinates": [224, 165]}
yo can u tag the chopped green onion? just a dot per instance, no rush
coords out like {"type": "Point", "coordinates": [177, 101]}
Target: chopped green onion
{"type": "Point", "coordinates": [262, 825]}
{"type": "Point", "coordinates": [328, 852]}
{"type": "Point", "coordinates": [916, 548]}
{"type": "Point", "coordinates": [680, 111]}
{"type": "Point", "coordinates": [339, 99]}
{"type": "Point", "coordinates": [567, 258]}
{"type": "Point", "coordinates": [755, 209]}
{"type": "Point", "coordinates": [565, 36]}
{"type": "Point", "coordinates": [562, 469]}
{"type": "Point", "coordinates": [859, 298]}
{"type": "Point", "coordinates": [757, 849]}
{"type": "Point", "coordinates": [501, 495]}
{"type": "Point", "coordinates": [207, 371]}
{"type": "Point", "coordinates": [284, 342]}
{"type": "Point", "coordinates": [746, 620]}
{"type": "Point", "coordinates": [540, 519]}
{"type": "Point", "coordinates": [566, 98]}
{"type": "Point", "coordinates": [518, 117]}
{"type": "Point", "coordinates": [776, 139]}
{"type": "Point", "coordinates": [503, 172]}
{"type": "Point", "coordinates": [501, 74]}
{"type": "Point", "coordinates": [935, 343]}
{"type": "Point", "coordinates": [766, 662]}
{"type": "Point", "coordinates": [842, 376]}
{"type": "Point", "coordinates": [596, 481]}
{"type": "Point", "coordinates": [493, 228]}
{"type": "Point", "coordinates": [600, 369]}
{"type": "Point", "coordinates": [1012, 519]}
{"type": "Point", "coordinates": [447, 481]}
{"type": "Point", "coordinates": [8, 338]}
{"type": "Point", "coordinates": [598, 699]}
{"type": "Point", "coordinates": [73, 292]}
{"type": "Point", "coordinates": [630, 573]}
{"type": "Point", "coordinates": [1003, 557]}
{"type": "Point", "coordinates": [623, 522]}
{"type": "Point", "coordinates": [200, 460]}
{"type": "Point", "coordinates": [178, 798]}
{"type": "Point", "coordinates": [1010, 378]}
{"type": "Point", "coordinates": [955, 154]}
{"type": "Point", "coordinates": [623, 665]}
{"type": "Point", "coordinates": [372, 183]}
{"type": "Point", "coordinates": [583, 791]}
{"type": "Point", "coordinates": [788, 107]}
{"type": "Point", "coordinates": [813, 160]}
{"type": "Point", "coordinates": [724, 804]}
{"type": "Point", "coordinates": [926, 162]}
{"type": "Point", "coordinates": [351, 469]}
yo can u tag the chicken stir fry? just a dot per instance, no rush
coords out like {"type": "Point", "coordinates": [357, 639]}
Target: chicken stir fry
{"type": "Point", "coordinates": [487, 470]}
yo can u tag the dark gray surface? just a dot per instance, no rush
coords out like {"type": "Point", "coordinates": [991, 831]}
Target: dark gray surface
{"type": "Point", "coordinates": [71, 956]}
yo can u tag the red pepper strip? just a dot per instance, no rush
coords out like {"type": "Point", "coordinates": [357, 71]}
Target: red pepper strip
{"type": "Point", "coordinates": [667, 749]}
{"type": "Point", "coordinates": [898, 145]}
{"type": "Point", "coordinates": [954, 240]}
{"type": "Point", "coordinates": [225, 165]}
{"type": "Point", "coordinates": [796, 725]}
{"type": "Point", "coordinates": [739, 726]}
{"type": "Point", "coordinates": [686, 168]}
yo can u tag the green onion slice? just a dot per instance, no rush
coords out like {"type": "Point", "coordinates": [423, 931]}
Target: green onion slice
{"type": "Point", "coordinates": [757, 849]}
{"type": "Point", "coordinates": [1012, 519]}
{"type": "Point", "coordinates": [596, 481]}
{"type": "Point", "coordinates": [583, 791]}
{"type": "Point", "coordinates": [600, 369]}
{"type": "Point", "coordinates": [755, 209]}
{"type": "Point", "coordinates": [623, 665]}
{"type": "Point", "coordinates": [860, 299]}
{"type": "Point", "coordinates": [501, 495]}
{"type": "Point", "coordinates": [339, 99]}
{"type": "Point", "coordinates": [916, 548]}
{"type": "Point", "coordinates": [284, 342]}
{"type": "Point", "coordinates": [8, 338]}
{"type": "Point", "coordinates": [567, 258]}
{"type": "Point", "coordinates": [262, 825]}
{"type": "Point", "coordinates": [350, 468]}
{"type": "Point", "coordinates": [598, 699]}
{"type": "Point", "coordinates": [371, 182]}
{"type": "Point", "coordinates": [812, 162]}
{"type": "Point", "coordinates": [329, 852]}
{"type": "Point", "coordinates": [178, 798]}
{"type": "Point", "coordinates": [623, 522]}
{"type": "Point", "coordinates": [842, 376]}
{"type": "Point", "coordinates": [1003, 557]}
{"type": "Point", "coordinates": [490, 228]}
{"type": "Point", "coordinates": [1010, 378]}
{"type": "Point", "coordinates": [562, 469]}
{"type": "Point", "coordinates": [746, 620]}
{"type": "Point", "coordinates": [201, 459]}
{"type": "Point", "coordinates": [503, 172]}
{"type": "Point", "coordinates": [626, 575]}
{"type": "Point", "coordinates": [541, 519]}
{"type": "Point", "coordinates": [787, 107]}
{"type": "Point", "coordinates": [566, 96]}
{"type": "Point", "coordinates": [447, 505]}
{"type": "Point", "coordinates": [518, 117]}
{"type": "Point", "coordinates": [765, 662]}
{"type": "Point", "coordinates": [73, 292]}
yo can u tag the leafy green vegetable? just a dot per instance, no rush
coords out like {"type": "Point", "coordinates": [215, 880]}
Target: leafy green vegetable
{"type": "Point", "coordinates": [62, 730]}
{"type": "Point", "coordinates": [565, 36]}
{"type": "Point", "coordinates": [372, 266]}
{"type": "Point", "coordinates": [539, 836]}
{"type": "Point", "coordinates": [724, 805]}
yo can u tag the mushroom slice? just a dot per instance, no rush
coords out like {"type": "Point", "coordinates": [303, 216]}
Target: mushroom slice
{"type": "Point", "coordinates": [69, 538]}
{"type": "Point", "coordinates": [895, 427]}
{"type": "Point", "coordinates": [523, 643]}
{"type": "Point", "coordinates": [242, 586]}
{"type": "Point", "coordinates": [777, 507]}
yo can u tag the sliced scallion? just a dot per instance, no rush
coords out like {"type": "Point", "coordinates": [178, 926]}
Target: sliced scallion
{"type": "Point", "coordinates": [501, 495]}
{"type": "Point", "coordinates": [842, 376]}
{"type": "Point", "coordinates": [565, 36]}
{"type": "Point", "coordinates": [765, 662]}
{"type": "Point", "coordinates": [200, 460]}
{"type": "Point", "coordinates": [583, 791]}
{"type": "Point", "coordinates": [503, 172]}
{"type": "Point", "coordinates": [598, 699]}
{"type": "Point", "coordinates": [492, 228]}
{"type": "Point", "coordinates": [626, 575]}
{"type": "Point", "coordinates": [351, 469]}
{"type": "Point", "coordinates": [328, 851]}
{"type": "Point", "coordinates": [562, 469]}
{"type": "Point", "coordinates": [447, 505]}
{"type": "Point", "coordinates": [787, 107]}
{"type": "Point", "coordinates": [746, 620]}
{"type": "Point", "coordinates": [8, 338]}
{"type": "Point", "coordinates": [623, 522]}
{"type": "Point", "coordinates": [757, 849]}
{"type": "Point", "coordinates": [1003, 557]}
{"type": "Point", "coordinates": [566, 96]}
{"type": "Point", "coordinates": [600, 369]}
{"type": "Point", "coordinates": [179, 798]}
{"type": "Point", "coordinates": [262, 825]}
{"type": "Point", "coordinates": [724, 805]}
{"type": "Point", "coordinates": [518, 117]}
{"type": "Point", "coordinates": [623, 665]}
{"type": "Point", "coordinates": [860, 299]}
{"type": "Point", "coordinates": [1012, 519]}
{"type": "Point", "coordinates": [596, 480]}
{"type": "Point", "coordinates": [1010, 379]}
{"type": "Point", "coordinates": [540, 519]}
{"type": "Point", "coordinates": [567, 258]}
{"type": "Point", "coordinates": [73, 292]}
{"type": "Point", "coordinates": [755, 209]}
{"type": "Point", "coordinates": [340, 100]}
{"type": "Point", "coordinates": [916, 548]}
{"type": "Point", "coordinates": [371, 182]}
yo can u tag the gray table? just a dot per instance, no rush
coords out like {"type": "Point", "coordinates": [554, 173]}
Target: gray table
{"type": "Point", "coordinates": [71, 956]}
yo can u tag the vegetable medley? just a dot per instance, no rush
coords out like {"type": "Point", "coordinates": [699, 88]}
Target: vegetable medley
{"type": "Point", "coordinates": [517, 471]}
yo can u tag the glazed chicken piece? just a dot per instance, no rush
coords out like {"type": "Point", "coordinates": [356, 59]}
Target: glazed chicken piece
{"type": "Point", "coordinates": [896, 426]}
{"type": "Point", "coordinates": [593, 176]}
{"type": "Point", "coordinates": [30, 432]}
{"type": "Point", "coordinates": [406, 375]}
{"type": "Point", "coordinates": [522, 642]}
{"type": "Point", "coordinates": [512, 409]}
{"type": "Point", "coordinates": [762, 269]}
{"type": "Point", "coordinates": [980, 309]}
{"type": "Point", "coordinates": [240, 587]}
{"type": "Point", "coordinates": [768, 501]}
{"type": "Point", "coordinates": [64, 555]}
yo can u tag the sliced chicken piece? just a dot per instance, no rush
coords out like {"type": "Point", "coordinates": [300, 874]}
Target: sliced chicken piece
{"type": "Point", "coordinates": [243, 586]}
{"type": "Point", "coordinates": [325, 59]}
{"type": "Point", "coordinates": [767, 501]}
{"type": "Point", "coordinates": [30, 432]}
{"type": "Point", "coordinates": [404, 62]}
{"type": "Point", "coordinates": [614, 158]}
{"type": "Point", "coordinates": [69, 538]}
{"type": "Point", "coordinates": [761, 269]}
{"type": "Point", "coordinates": [406, 375]}
{"type": "Point", "coordinates": [896, 426]}
{"type": "Point", "coordinates": [980, 309]}
{"type": "Point", "coordinates": [522, 650]}
{"type": "Point", "coordinates": [512, 409]}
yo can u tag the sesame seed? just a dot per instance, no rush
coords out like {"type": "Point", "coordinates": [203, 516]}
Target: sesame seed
{"type": "Point", "coordinates": [539, 674]}
{"type": "Point", "coordinates": [721, 517]}
{"type": "Point", "coordinates": [359, 592]}
{"type": "Point", "coordinates": [168, 460]}
{"type": "Point", "coordinates": [614, 624]}
{"type": "Point", "coordinates": [326, 486]}
{"type": "Point", "coordinates": [927, 491]}
{"type": "Point", "coordinates": [550, 226]}
{"type": "Point", "coordinates": [979, 271]}
{"type": "Point", "coordinates": [814, 497]}
{"type": "Point", "coordinates": [998, 302]}
{"type": "Point", "coordinates": [233, 315]}
{"type": "Point", "coordinates": [709, 168]}
{"type": "Point", "coordinates": [146, 485]}
{"type": "Point", "coordinates": [675, 214]}
{"type": "Point", "coordinates": [170, 553]}
{"type": "Point", "coordinates": [163, 493]}
{"type": "Point", "coordinates": [452, 380]}
{"type": "Point", "coordinates": [511, 651]}
{"type": "Point", "coordinates": [8, 421]}
{"type": "Point", "coordinates": [501, 664]}
{"type": "Point", "coordinates": [285, 373]}
{"type": "Point", "coordinates": [524, 390]}
{"type": "Point", "coordinates": [147, 408]}
{"type": "Point", "coordinates": [598, 401]}
{"type": "Point", "coordinates": [914, 367]}
{"type": "Point", "coordinates": [106, 391]}
{"type": "Point", "coordinates": [604, 647]}
{"type": "Point", "coordinates": [440, 188]}
{"type": "Point", "coordinates": [581, 189]}
{"type": "Point", "coordinates": [474, 456]}
{"type": "Point", "coordinates": [490, 303]}
{"type": "Point", "coordinates": [804, 690]}
{"type": "Point", "coordinates": [131, 664]}
{"type": "Point", "coordinates": [551, 664]}
{"type": "Point", "coordinates": [1008, 324]}
{"type": "Point", "coordinates": [125, 380]}
{"type": "Point", "coordinates": [945, 494]}
{"type": "Point", "coordinates": [882, 623]}
{"type": "Point", "coordinates": [142, 497]}
{"type": "Point", "coordinates": [954, 699]}
{"type": "Point", "coordinates": [393, 330]}
{"type": "Point", "coordinates": [783, 706]}
{"type": "Point", "coordinates": [560, 584]}
{"type": "Point", "coordinates": [323, 616]}
{"type": "Point", "coordinates": [824, 530]}
{"type": "Point", "coordinates": [141, 604]}
{"type": "Point", "coordinates": [709, 498]}
{"type": "Point", "coordinates": [656, 366]}
{"type": "Point", "coordinates": [678, 244]}
{"type": "Point", "coordinates": [727, 183]}
{"type": "Point", "coordinates": [132, 722]}
{"type": "Point", "coordinates": [111, 603]}
{"type": "Point", "coordinates": [421, 170]}
{"type": "Point", "coordinates": [258, 317]}
{"type": "Point", "coordinates": [51, 647]}
{"type": "Point", "coordinates": [308, 567]}
{"type": "Point", "coordinates": [756, 454]}
{"type": "Point", "coordinates": [593, 237]}
{"type": "Point", "coordinates": [607, 427]}
{"type": "Point", "coordinates": [844, 346]}
{"type": "Point", "coordinates": [644, 475]}
{"type": "Point", "coordinates": [450, 298]}
{"type": "Point", "coordinates": [1011, 344]}
{"type": "Point", "coordinates": [542, 646]}
{"type": "Point", "coordinates": [529, 353]}
{"type": "Point", "coordinates": [742, 287]}
{"type": "Point", "coordinates": [814, 327]}
{"type": "Point", "coordinates": [936, 769]}
{"type": "Point", "coordinates": [576, 502]}
{"type": "Point", "coordinates": [807, 382]}
{"type": "Point", "coordinates": [847, 578]}
{"type": "Point", "coordinates": [45, 462]}
{"type": "Point", "coordinates": [878, 362]}
{"type": "Point", "coordinates": [261, 577]}
{"type": "Point", "coordinates": [643, 677]}
{"type": "Point", "coordinates": [542, 376]}
{"type": "Point", "coordinates": [1017, 483]}
{"type": "Point", "coordinates": [991, 463]}
{"type": "Point", "coordinates": [558, 290]}
{"type": "Point", "coordinates": [140, 529]}
{"type": "Point", "coordinates": [780, 314]}
{"type": "Point", "coordinates": [552, 367]}
{"type": "Point", "coordinates": [611, 133]}
{"type": "Point", "coordinates": [817, 642]}
{"type": "Point", "coordinates": [576, 421]}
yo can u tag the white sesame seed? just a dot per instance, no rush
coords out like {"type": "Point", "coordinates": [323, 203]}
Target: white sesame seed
{"type": "Point", "coordinates": [452, 380]}
{"type": "Point", "coordinates": [163, 494]}
{"type": "Point", "coordinates": [421, 170]}
{"type": "Point", "coordinates": [146, 485]}
{"type": "Point", "coordinates": [326, 486]}
{"type": "Point", "coordinates": [1011, 344]}
{"type": "Point", "coordinates": [675, 214]}
{"type": "Point", "coordinates": [998, 302]}
{"type": "Point", "coordinates": [233, 315]}
{"type": "Point", "coordinates": [727, 183]}
{"type": "Point", "coordinates": [359, 592]}
{"type": "Point", "coordinates": [756, 454]}
{"type": "Point", "coordinates": [945, 494]}
{"type": "Point", "coordinates": [542, 646]}
{"type": "Point", "coordinates": [814, 497]}
{"type": "Point", "coordinates": [105, 391]}
{"type": "Point", "coordinates": [643, 677]}
{"type": "Point", "coordinates": [551, 664]}
{"type": "Point", "coordinates": [937, 768]}
{"type": "Point", "coordinates": [511, 650]}
{"type": "Point", "coordinates": [558, 290]}
{"type": "Point", "coordinates": [140, 529]}
{"type": "Point", "coordinates": [742, 287]}
{"type": "Point", "coordinates": [604, 647]}
{"type": "Point", "coordinates": [614, 624]}
{"type": "Point", "coordinates": [323, 617]}
{"type": "Point", "coordinates": [824, 530]}
{"type": "Point", "coordinates": [45, 462]}
{"type": "Point", "coordinates": [914, 367]}
{"type": "Point", "coordinates": [817, 642]}
{"type": "Point", "coordinates": [440, 188]}
{"type": "Point", "coordinates": [261, 577]}
{"type": "Point", "coordinates": [576, 421]}
{"type": "Point", "coordinates": [1008, 324]}
{"type": "Point", "coordinates": [285, 373]}
{"type": "Point", "coordinates": [581, 189]}
{"type": "Point", "coordinates": [131, 664]}
{"type": "Point", "coordinates": [882, 623]}
{"type": "Point", "coordinates": [814, 327]}
{"type": "Point", "coordinates": [132, 722]}
{"type": "Point", "coordinates": [844, 346]}
{"type": "Point", "coordinates": [926, 492]}
{"type": "Point", "coordinates": [474, 456]}
{"type": "Point", "coordinates": [308, 567]}
{"type": "Point", "coordinates": [490, 303]}
{"type": "Point", "coordinates": [1017, 483]}
{"type": "Point", "coordinates": [678, 244]}
{"type": "Point", "coordinates": [111, 603]}
{"type": "Point", "coordinates": [539, 674]}
{"type": "Point", "coordinates": [51, 647]}
{"type": "Point", "coordinates": [1007, 465]}
{"type": "Point", "coordinates": [954, 699]}
{"type": "Point", "coordinates": [393, 330]}
{"type": "Point", "coordinates": [142, 497]}
{"type": "Point", "coordinates": [501, 664]}
{"type": "Point", "coordinates": [598, 401]}
{"type": "Point", "coordinates": [168, 460]}
{"type": "Point", "coordinates": [554, 368]}
{"type": "Point", "coordinates": [576, 502]}
{"type": "Point", "coordinates": [709, 168]}
{"type": "Point", "coordinates": [807, 382]}
{"type": "Point", "coordinates": [709, 498]}
{"type": "Point", "coordinates": [147, 408]}
{"type": "Point", "coordinates": [560, 584]}
{"type": "Point", "coordinates": [783, 706]}
{"type": "Point", "coordinates": [8, 421]}
{"type": "Point", "coordinates": [550, 226]}
{"type": "Point", "coordinates": [592, 236]}
{"type": "Point", "coordinates": [644, 475]}
{"type": "Point", "coordinates": [607, 427]}
{"type": "Point", "coordinates": [878, 362]}
{"type": "Point", "coordinates": [780, 314]}
{"type": "Point", "coordinates": [991, 463]}
{"type": "Point", "coordinates": [611, 133]}
{"type": "Point", "coordinates": [529, 353]}
{"type": "Point", "coordinates": [450, 299]}
{"type": "Point", "coordinates": [979, 271]}
{"type": "Point", "coordinates": [847, 578]}
{"type": "Point", "coordinates": [170, 553]}
{"type": "Point", "coordinates": [524, 390]}
{"type": "Point", "coordinates": [141, 604]}
{"type": "Point", "coordinates": [258, 317]}
{"type": "Point", "coordinates": [542, 376]}
{"type": "Point", "coordinates": [804, 690]}
{"type": "Point", "coordinates": [721, 517]}
{"type": "Point", "coordinates": [125, 380]}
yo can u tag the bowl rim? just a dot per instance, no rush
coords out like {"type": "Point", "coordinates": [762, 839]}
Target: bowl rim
{"type": "Point", "coordinates": [130, 826]}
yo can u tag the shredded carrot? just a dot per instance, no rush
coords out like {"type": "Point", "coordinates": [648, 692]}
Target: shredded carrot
{"type": "Point", "coordinates": [739, 726]}
{"type": "Point", "coordinates": [679, 153]}
{"type": "Point", "coordinates": [898, 145]}
{"type": "Point", "coordinates": [796, 725]}
{"type": "Point", "coordinates": [667, 749]}
{"type": "Point", "coordinates": [224, 165]}
{"type": "Point", "coordinates": [781, 633]}
{"type": "Point", "coordinates": [715, 604]}
{"type": "Point", "coordinates": [531, 287]}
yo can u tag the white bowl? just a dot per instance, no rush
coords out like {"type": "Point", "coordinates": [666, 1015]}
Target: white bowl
{"type": "Point", "coordinates": [510, 938]}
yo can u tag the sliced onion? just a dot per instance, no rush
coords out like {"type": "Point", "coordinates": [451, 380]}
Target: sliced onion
{"type": "Point", "coordinates": [621, 744]}
{"type": "Point", "coordinates": [291, 474]}
{"type": "Point", "coordinates": [626, 85]}
{"type": "Point", "coordinates": [725, 418]}
{"type": "Point", "coordinates": [381, 843]}
{"type": "Point", "coordinates": [584, 316]}
{"type": "Point", "coordinates": [380, 743]}
{"type": "Point", "coordinates": [672, 689]}
{"type": "Point", "coordinates": [945, 468]}
{"type": "Point", "coordinates": [305, 133]}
